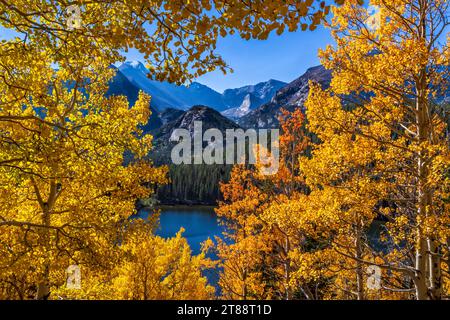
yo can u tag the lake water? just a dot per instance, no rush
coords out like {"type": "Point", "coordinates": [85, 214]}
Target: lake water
{"type": "Point", "coordinates": [199, 222]}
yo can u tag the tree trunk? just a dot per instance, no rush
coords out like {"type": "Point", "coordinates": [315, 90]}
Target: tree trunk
{"type": "Point", "coordinates": [244, 286]}
{"type": "Point", "coordinates": [420, 273]}
{"type": "Point", "coordinates": [427, 264]}
{"type": "Point", "coordinates": [287, 270]}
{"type": "Point", "coordinates": [43, 290]}
{"type": "Point", "coordinates": [359, 266]}
{"type": "Point", "coordinates": [435, 270]}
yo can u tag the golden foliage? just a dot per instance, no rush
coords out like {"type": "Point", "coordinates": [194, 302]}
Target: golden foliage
{"type": "Point", "coordinates": [382, 153]}
{"type": "Point", "coordinates": [383, 145]}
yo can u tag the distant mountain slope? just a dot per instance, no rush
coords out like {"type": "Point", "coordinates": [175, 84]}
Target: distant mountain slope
{"type": "Point", "coordinates": [249, 103]}
{"type": "Point", "coordinates": [242, 100]}
{"type": "Point", "coordinates": [264, 91]}
{"type": "Point", "coordinates": [209, 117]}
{"type": "Point", "coordinates": [166, 95]}
{"type": "Point", "coordinates": [170, 114]}
{"type": "Point", "coordinates": [290, 97]}
{"type": "Point", "coordinates": [136, 73]}
{"type": "Point", "coordinates": [120, 85]}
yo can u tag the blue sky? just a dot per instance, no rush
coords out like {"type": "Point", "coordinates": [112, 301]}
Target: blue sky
{"type": "Point", "coordinates": [284, 57]}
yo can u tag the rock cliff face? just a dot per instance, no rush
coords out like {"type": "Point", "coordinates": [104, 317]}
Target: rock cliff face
{"type": "Point", "coordinates": [209, 117]}
{"type": "Point", "coordinates": [290, 97]}
{"type": "Point", "coordinates": [241, 101]}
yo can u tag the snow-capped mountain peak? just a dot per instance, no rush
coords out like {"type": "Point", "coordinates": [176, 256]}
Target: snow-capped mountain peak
{"type": "Point", "coordinates": [136, 65]}
{"type": "Point", "coordinates": [167, 95]}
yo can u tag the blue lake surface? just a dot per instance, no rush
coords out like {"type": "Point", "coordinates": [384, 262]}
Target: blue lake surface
{"type": "Point", "coordinates": [199, 222]}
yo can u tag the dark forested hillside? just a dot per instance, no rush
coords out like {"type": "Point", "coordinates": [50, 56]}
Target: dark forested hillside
{"type": "Point", "coordinates": [193, 184]}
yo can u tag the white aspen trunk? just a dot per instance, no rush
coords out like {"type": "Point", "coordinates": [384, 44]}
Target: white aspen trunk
{"type": "Point", "coordinates": [420, 273]}
{"type": "Point", "coordinates": [435, 270]}
{"type": "Point", "coordinates": [423, 197]}
{"type": "Point", "coordinates": [427, 264]}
